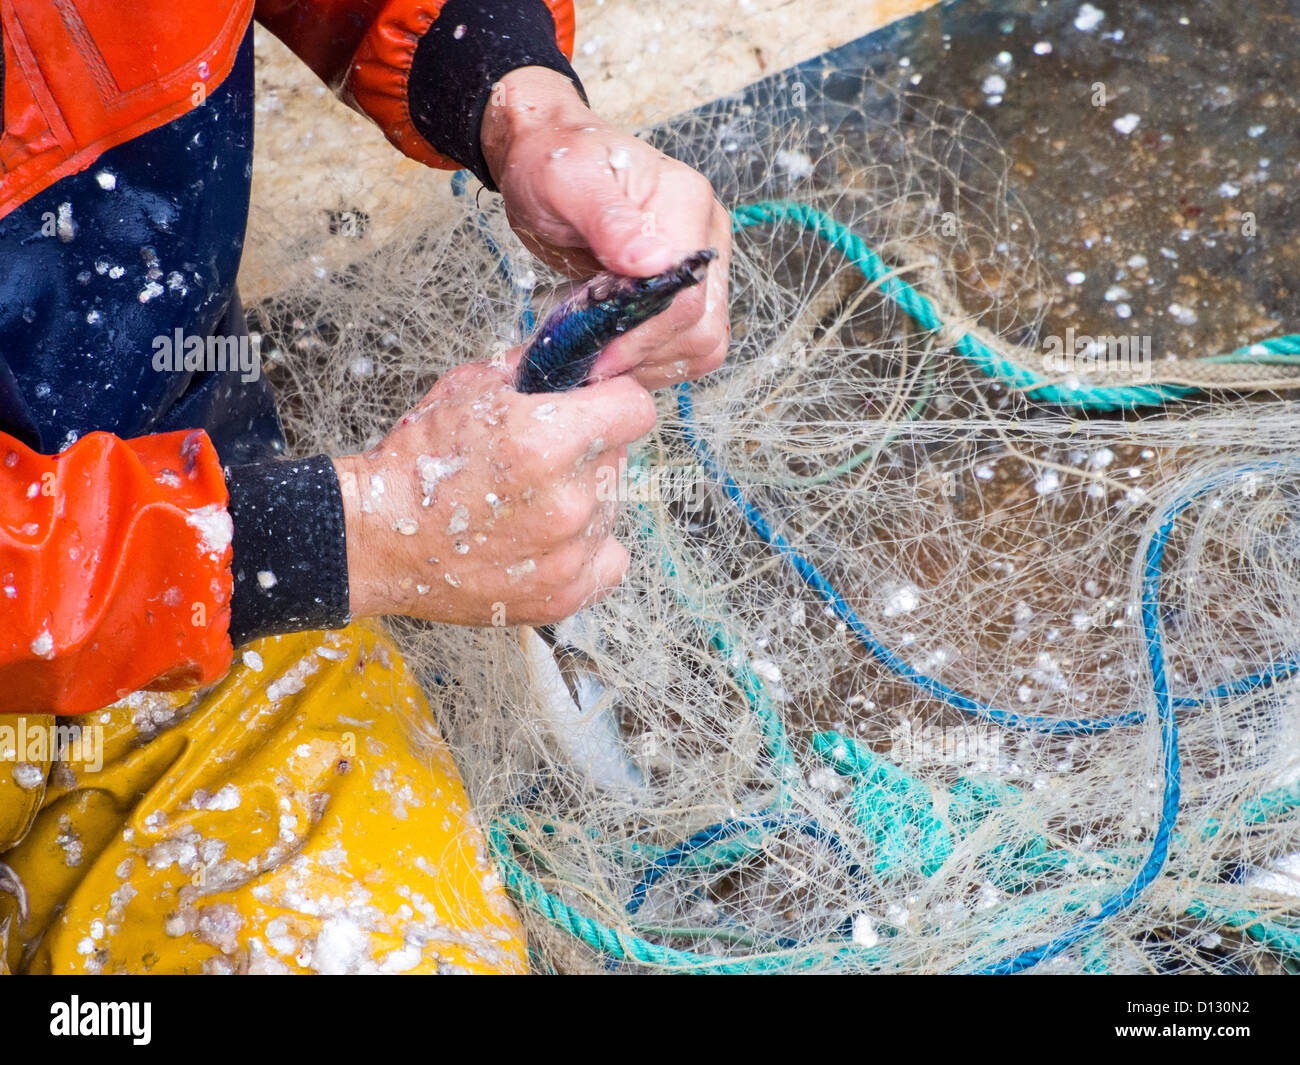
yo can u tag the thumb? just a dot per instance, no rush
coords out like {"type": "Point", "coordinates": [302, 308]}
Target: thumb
{"type": "Point", "coordinates": [622, 235]}
{"type": "Point", "coordinates": [510, 360]}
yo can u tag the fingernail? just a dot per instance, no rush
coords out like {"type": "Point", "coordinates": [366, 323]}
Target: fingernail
{"type": "Point", "coordinates": [648, 255]}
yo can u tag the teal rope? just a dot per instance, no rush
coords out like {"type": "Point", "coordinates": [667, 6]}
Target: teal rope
{"type": "Point", "coordinates": [895, 810]}
{"type": "Point", "coordinates": [626, 947]}
{"type": "Point", "coordinates": [1275, 351]}
{"type": "Point", "coordinates": [987, 360]}
{"type": "Point", "coordinates": [888, 802]}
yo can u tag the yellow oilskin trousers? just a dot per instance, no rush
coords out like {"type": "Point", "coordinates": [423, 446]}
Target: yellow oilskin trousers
{"type": "Point", "coordinates": [301, 816]}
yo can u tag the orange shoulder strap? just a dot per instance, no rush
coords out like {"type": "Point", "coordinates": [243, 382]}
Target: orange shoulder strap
{"type": "Point", "coordinates": [82, 76]}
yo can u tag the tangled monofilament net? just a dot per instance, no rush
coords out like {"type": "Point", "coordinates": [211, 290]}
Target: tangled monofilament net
{"type": "Point", "coordinates": [1023, 698]}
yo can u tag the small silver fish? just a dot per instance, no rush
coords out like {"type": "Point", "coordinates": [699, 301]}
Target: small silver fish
{"type": "Point", "coordinates": [584, 728]}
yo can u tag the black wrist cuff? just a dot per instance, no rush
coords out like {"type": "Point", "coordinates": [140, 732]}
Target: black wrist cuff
{"type": "Point", "coordinates": [290, 556]}
{"type": "Point", "coordinates": [471, 46]}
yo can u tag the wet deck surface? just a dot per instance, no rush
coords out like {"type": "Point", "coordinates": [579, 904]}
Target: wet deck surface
{"type": "Point", "coordinates": [1154, 147]}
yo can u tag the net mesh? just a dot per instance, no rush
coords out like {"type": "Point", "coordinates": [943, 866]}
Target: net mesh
{"type": "Point", "coordinates": [894, 682]}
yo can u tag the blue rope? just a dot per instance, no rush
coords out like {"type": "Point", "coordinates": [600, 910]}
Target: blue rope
{"type": "Point", "coordinates": [1169, 748]}
{"type": "Point", "coordinates": [675, 855]}
{"type": "Point", "coordinates": [527, 319]}
{"type": "Point", "coordinates": [1166, 704]}
{"type": "Point", "coordinates": [814, 578]}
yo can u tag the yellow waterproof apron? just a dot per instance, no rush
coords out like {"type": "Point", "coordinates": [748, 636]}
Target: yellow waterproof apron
{"type": "Point", "coordinates": [301, 816]}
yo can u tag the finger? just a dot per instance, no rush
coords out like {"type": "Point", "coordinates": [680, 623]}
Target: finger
{"type": "Point", "coordinates": [657, 375]}
{"type": "Point", "coordinates": [676, 210]}
{"type": "Point", "coordinates": [594, 575]}
{"type": "Point", "coordinates": [600, 416]}
{"type": "Point", "coordinates": [510, 360]}
{"type": "Point", "coordinates": [617, 212]}
{"type": "Point", "coordinates": [609, 566]}
{"type": "Point", "coordinates": [680, 338]}
{"type": "Point", "coordinates": [691, 327]}
{"type": "Point", "coordinates": [605, 573]}
{"type": "Point", "coordinates": [605, 478]}
{"type": "Point", "coordinates": [642, 215]}
{"type": "Point", "coordinates": [579, 506]}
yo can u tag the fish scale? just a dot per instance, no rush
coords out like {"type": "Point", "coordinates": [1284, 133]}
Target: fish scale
{"type": "Point", "coordinates": [562, 352]}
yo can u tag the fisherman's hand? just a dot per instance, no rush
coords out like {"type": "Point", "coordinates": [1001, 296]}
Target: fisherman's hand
{"type": "Point", "coordinates": [587, 197]}
{"type": "Point", "coordinates": [487, 507]}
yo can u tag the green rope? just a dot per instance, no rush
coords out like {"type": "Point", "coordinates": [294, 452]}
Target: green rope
{"type": "Point", "coordinates": [1275, 351]}
{"type": "Point", "coordinates": [989, 361]}
{"type": "Point", "coordinates": [1277, 937]}
{"type": "Point", "coordinates": [625, 947]}
{"type": "Point", "coordinates": [894, 810]}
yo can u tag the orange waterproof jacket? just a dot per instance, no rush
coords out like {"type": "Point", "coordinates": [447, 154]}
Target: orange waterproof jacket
{"type": "Point", "coordinates": [115, 554]}
{"type": "Point", "coordinates": [81, 76]}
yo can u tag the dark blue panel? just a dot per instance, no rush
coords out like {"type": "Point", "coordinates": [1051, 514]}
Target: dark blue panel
{"type": "Point", "coordinates": [145, 241]}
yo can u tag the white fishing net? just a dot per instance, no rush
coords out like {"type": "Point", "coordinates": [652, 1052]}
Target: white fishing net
{"type": "Point", "coordinates": [855, 760]}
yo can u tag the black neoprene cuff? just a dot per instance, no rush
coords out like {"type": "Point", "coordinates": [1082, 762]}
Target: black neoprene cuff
{"type": "Point", "coordinates": [471, 46]}
{"type": "Point", "coordinates": [290, 555]}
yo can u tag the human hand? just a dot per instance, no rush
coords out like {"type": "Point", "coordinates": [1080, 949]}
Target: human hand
{"type": "Point", "coordinates": [483, 506]}
{"type": "Point", "coordinates": [584, 197]}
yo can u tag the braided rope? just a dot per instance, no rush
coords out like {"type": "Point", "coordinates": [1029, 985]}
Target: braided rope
{"type": "Point", "coordinates": [1001, 366]}
{"type": "Point", "coordinates": [1279, 351]}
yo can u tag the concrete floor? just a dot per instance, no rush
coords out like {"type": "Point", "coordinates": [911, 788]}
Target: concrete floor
{"type": "Point", "coordinates": [640, 62]}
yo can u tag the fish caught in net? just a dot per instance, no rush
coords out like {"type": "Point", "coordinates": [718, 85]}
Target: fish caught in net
{"type": "Point", "coordinates": [935, 654]}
